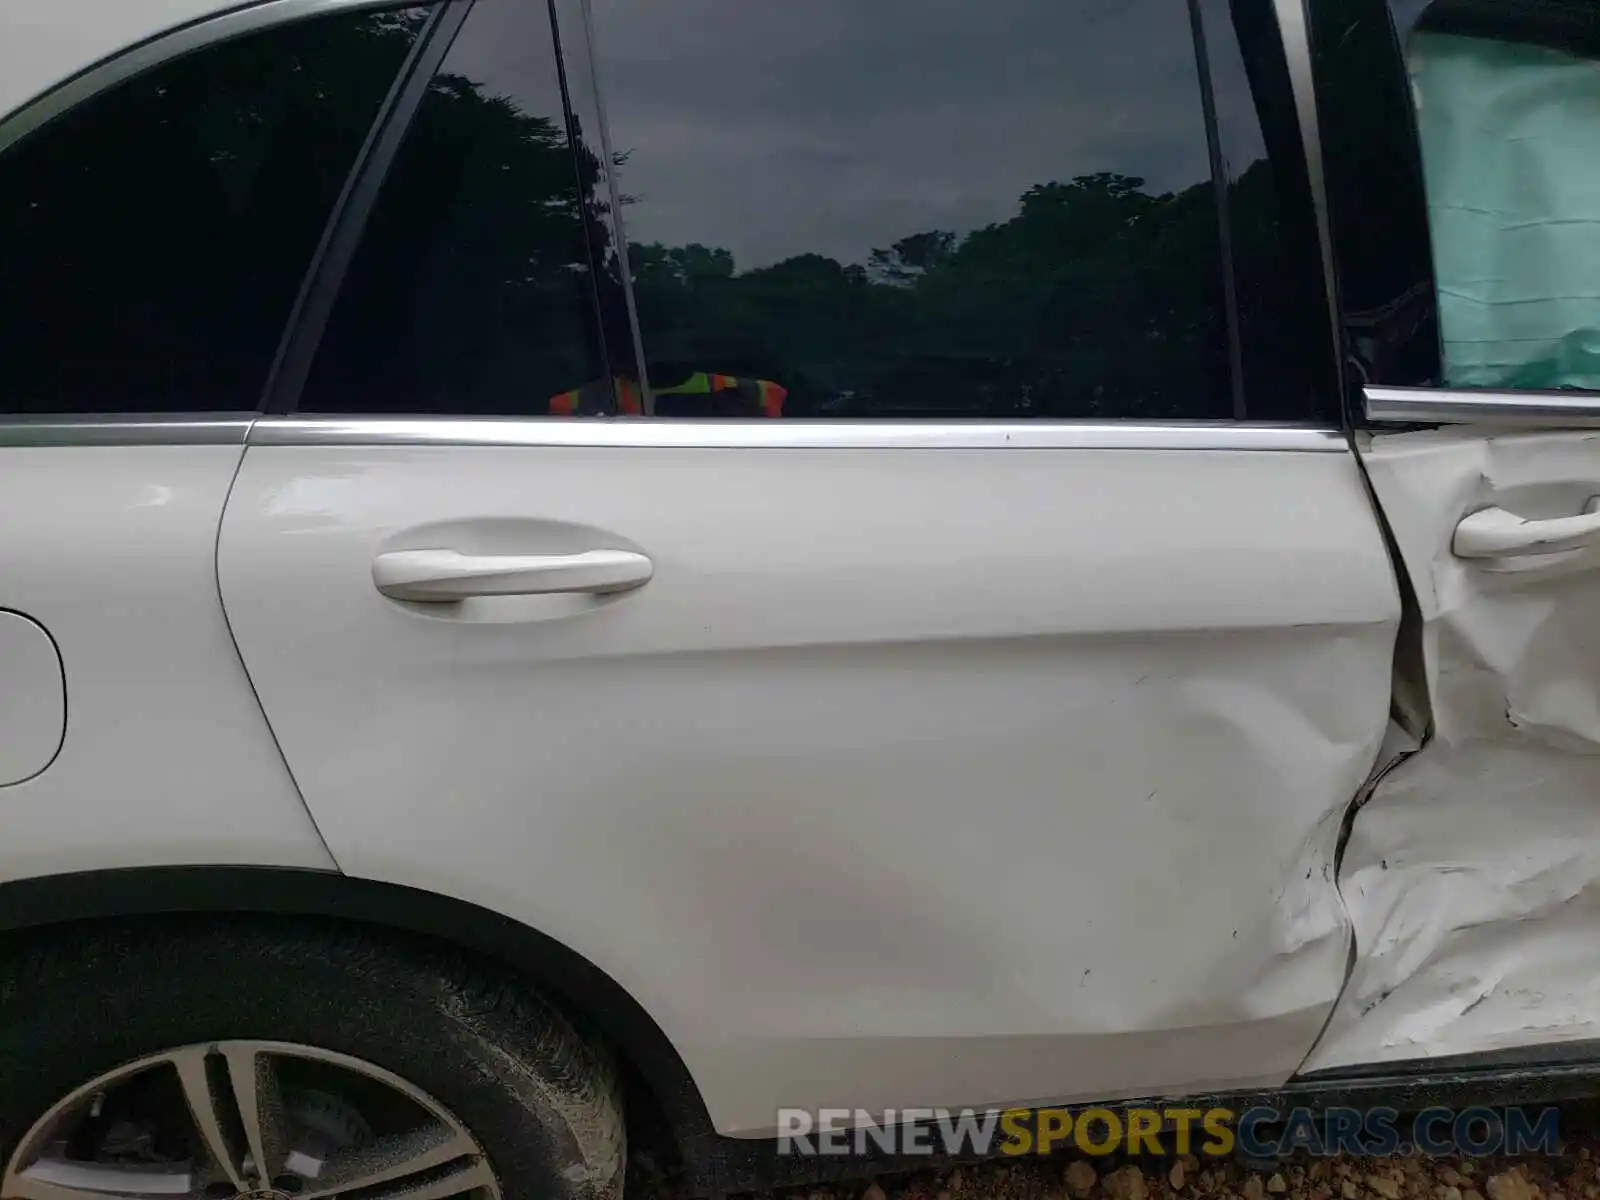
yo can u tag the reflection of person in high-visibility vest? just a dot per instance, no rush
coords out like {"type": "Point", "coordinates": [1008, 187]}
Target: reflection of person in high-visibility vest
{"type": "Point", "coordinates": [702, 394]}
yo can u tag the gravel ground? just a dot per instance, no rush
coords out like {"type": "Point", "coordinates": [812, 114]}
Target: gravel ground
{"type": "Point", "coordinates": [1571, 1174]}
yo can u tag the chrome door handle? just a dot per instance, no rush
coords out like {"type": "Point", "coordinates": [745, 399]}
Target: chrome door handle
{"type": "Point", "coordinates": [1496, 533]}
{"type": "Point", "coordinates": [445, 575]}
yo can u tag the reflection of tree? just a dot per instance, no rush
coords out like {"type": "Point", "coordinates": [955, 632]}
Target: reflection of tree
{"type": "Point", "coordinates": [1098, 297]}
{"type": "Point", "coordinates": [912, 257]}
{"type": "Point", "coordinates": [481, 248]}
{"type": "Point", "coordinates": [488, 277]}
{"type": "Point", "coordinates": [502, 282]}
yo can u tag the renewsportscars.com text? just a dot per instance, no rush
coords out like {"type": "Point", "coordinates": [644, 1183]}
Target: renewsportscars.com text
{"type": "Point", "coordinates": [1256, 1132]}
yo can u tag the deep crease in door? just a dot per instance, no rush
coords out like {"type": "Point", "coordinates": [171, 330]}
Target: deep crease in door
{"type": "Point", "coordinates": [1473, 873]}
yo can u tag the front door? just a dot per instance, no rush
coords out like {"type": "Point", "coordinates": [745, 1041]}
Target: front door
{"type": "Point", "coordinates": [1468, 252]}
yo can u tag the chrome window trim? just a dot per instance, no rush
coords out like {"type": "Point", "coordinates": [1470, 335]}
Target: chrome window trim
{"type": "Point", "coordinates": [792, 435]}
{"type": "Point", "coordinates": [112, 429]}
{"type": "Point", "coordinates": [1445, 406]}
{"type": "Point", "coordinates": [163, 47]}
{"type": "Point", "coordinates": [208, 429]}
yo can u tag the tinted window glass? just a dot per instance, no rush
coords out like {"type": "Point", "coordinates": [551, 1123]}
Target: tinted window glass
{"type": "Point", "coordinates": [471, 290]}
{"type": "Point", "coordinates": [155, 237]}
{"type": "Point", "coordinates": [889, 208]}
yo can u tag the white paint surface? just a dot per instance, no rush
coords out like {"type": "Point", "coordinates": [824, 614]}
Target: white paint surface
{"type": "Point", "coordinates": [1473, 874]}
{"type": "Point", "coordinates": [167, 760]}
{"type": "Point", "coordinates": [44, 43]}
{"type": "Point", "coordinates": [33, 699]}
{"type": "Point", "coordinates": [911, 776]}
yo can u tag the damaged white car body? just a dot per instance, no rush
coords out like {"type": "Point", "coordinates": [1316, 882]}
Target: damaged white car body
{"type": "Point", "coordinates": [1470, 873]}
{"type": "Point", "coordinates": [517, 555]}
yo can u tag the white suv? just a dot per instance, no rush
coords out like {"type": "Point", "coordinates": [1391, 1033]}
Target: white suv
{"type": "Point", "coordinates": [740, 555]}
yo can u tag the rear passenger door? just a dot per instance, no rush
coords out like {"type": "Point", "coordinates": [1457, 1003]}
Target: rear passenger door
{"type": "Point", "coordinates": [968, 732]}
{"type": "Point", "coordinates": [1466, 214]}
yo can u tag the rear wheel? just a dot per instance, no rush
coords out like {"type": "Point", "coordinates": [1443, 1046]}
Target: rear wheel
{"type": "Point", "coordinates": [273, 1060]}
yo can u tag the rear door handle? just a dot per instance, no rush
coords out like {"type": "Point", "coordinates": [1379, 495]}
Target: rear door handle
{"type": "Point", "coordinates": [444, 575]}
{"type": "Point", "coordinates": [1496, 533]}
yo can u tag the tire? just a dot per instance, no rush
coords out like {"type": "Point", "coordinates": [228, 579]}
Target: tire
{"type": "Point", "coordinates": [541, 1100]}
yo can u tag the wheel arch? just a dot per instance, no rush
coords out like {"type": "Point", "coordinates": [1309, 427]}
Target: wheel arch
{"type": "Point", "coordinates": [563, 976]}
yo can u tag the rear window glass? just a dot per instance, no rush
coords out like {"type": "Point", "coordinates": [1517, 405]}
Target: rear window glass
{"type": "Point", "coordinates": [888, 208]}
{"type": "Point", "coordinates": [155, 236]}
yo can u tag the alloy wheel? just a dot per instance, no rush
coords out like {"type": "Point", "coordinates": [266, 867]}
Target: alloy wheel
{"type": "Point", "coordinates": [248, 1120]}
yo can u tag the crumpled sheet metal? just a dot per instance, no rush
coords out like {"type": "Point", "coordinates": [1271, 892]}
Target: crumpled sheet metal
{"type": "Point", "coordinates": [1472, 875]}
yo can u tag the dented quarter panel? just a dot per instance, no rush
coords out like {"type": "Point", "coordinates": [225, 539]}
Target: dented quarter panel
{"type": "Point", "coordinates": [1471, 874]}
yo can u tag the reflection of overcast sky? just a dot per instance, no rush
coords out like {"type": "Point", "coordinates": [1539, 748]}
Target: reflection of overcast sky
{"type": "Point", "coordinates": [781, 127]}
